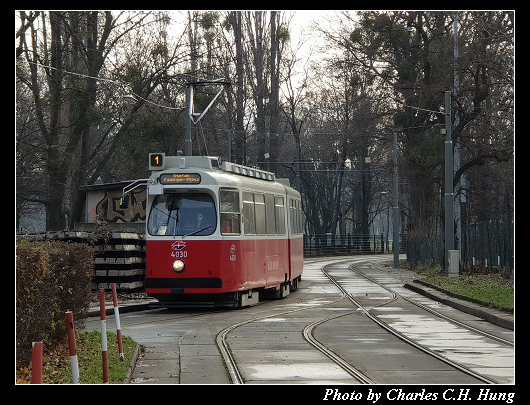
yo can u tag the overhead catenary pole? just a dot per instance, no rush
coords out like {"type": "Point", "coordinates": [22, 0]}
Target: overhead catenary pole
{"type": "Point", "coordinates": [461, 185]}
{"type": "Point", "coordinates": [229, 141]}
{"type": "Point", "coordinates": [449, 195]}
{"type": "Point", "coordinates": [395, 209]}
{"type": "Point", "coordinates": [189, 111]}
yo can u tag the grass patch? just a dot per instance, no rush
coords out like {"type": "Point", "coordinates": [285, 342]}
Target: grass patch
{"type": "Point", "coordinates": [90, 362]}
{"type": "Point", "coordinates": [428, 271]}
{"type": "Point", "coordinates": [56, 367]}
{"type": "Point", "coordinates": [492, 289]}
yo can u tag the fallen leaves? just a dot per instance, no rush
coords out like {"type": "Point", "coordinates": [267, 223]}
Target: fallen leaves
{"type": "Point", "coordinates": [53, 360]}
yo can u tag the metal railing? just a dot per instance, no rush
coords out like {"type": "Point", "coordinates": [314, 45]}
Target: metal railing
{"type": "Point", "coordinates": [347, 244]}
{"type": "Point", "coordinates": [491, 244]}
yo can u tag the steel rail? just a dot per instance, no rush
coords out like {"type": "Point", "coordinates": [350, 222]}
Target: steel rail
{"type": "Point", "coordinates": [408, 340]}
{"type": "Point", "coordinates": [231, 364]}
{"type": "Point", "coordinates": [308, 335]}
{"type": "Point", "coordinates": [224, 348]}
{"type": "Point", "coordinates": [436, 313]}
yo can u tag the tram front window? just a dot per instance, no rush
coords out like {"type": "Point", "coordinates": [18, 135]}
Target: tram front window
{"type": "Point", "coordinates": [182, 215]}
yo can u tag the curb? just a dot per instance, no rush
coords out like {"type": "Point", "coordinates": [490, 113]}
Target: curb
{"type": "Point", "coordinates": [109, 310]}
{"type": "Point", "coordinates": [487, 314]}
{"type": "Point", "coordinates": [132, 365]}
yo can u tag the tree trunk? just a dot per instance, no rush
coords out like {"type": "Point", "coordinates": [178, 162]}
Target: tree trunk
{"type": "Point", "coordinates": [240, 139]}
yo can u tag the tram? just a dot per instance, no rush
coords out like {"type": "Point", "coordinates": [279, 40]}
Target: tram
{"type": "Point", "coordinates": [220, 235]}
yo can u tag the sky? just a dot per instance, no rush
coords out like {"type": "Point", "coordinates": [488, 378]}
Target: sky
{"type": "Point", "coordinates": [301, 25]}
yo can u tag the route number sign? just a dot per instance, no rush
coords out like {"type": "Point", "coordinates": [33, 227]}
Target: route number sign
{"type": "Point", "coordinates": [156, 161]}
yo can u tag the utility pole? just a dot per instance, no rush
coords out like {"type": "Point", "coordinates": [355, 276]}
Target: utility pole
{"type": "Point", "coordinates": [449, 195]}
{"type": "Point", "coordinates": [462, 183]}
{"type": "Point", "coordinates": [395, 209]}
{"type": "Point", "coordinates": [189, 111]}
{"type": "Point", "coordinates": [229, 141]}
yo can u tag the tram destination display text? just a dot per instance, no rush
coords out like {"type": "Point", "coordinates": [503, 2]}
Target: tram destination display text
{"type": "Point", "coordinates": [180, 178]}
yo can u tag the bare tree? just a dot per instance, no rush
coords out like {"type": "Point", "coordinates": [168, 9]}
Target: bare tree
{"type": "Point", "coordinates": [60, 61]}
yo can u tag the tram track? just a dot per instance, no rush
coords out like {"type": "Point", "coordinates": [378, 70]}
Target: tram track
{"type": "Point", "coordinates": [236, 376]}
{"type": "Point", "coordinates": [307, 333]}
{"type": "Point", "coordinates": [231, 364]}
{"type": "Point", "coordinates": [394, 296]}
{"type": "Point", "coordinates": [436, 313]}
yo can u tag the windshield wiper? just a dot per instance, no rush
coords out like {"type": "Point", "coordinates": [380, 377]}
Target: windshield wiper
{"type": "Point", "coordinates": [200, 230]}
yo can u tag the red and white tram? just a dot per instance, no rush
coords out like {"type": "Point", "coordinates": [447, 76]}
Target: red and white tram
{"type": "Point", "coordinates": [220, 235]}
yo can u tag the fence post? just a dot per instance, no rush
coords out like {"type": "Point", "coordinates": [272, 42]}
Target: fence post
{"type": "Point", "coordinates": [36, 362]}
{"type": "Point", "coordinates": [117, 319]}
{"type": "Point", "coordinates": [103, 318]}
{"type": "Point", "coordinates": [74, 365]}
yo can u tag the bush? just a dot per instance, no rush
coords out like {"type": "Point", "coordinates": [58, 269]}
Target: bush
{"type": "Point", "coordinates": [51, 278]}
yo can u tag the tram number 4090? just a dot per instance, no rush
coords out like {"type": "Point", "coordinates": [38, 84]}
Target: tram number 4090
{"type": "Point", "coordinates": [179, 254]}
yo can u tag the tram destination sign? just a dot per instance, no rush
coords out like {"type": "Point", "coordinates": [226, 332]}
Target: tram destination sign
{"type": "Point", "coordinates": [180, 178]}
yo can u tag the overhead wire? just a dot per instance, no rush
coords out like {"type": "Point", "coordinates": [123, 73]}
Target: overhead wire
{"type": "Point", "coordinates": [104, 79]}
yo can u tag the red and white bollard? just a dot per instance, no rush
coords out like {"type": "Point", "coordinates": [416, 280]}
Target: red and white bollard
{"type": "Point", "coordinates": [36, 362]}
{"type": "Point", "coordinates": [498, 256]}
{"type": "Point", "coordinates": [117, 318]}
{"type": "Point", "coordinates": [74, 364]}
{"type": "Point", "coordinates": [103, 318]}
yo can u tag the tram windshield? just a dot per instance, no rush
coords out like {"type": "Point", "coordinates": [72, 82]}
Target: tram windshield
{"type": "Point", "coordinates": [182, 215]}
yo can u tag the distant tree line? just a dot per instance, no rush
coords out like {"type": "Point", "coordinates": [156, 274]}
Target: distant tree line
{"type": "Point", "coordinates": [311, 109]}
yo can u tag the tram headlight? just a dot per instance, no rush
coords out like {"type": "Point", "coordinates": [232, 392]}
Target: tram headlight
{"type": "Point", "coordinates": [178, 266]}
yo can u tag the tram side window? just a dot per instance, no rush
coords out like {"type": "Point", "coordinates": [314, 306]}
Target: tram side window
{"type": "Point", "coordinates": [299, 217]}
{"type": "Point", "coordinates": [295, 216]}
{"type": "Point", "coordinates": [291, 215]}
{"type": "Point", "coordinates": [259, 205]}
{"type": "Point", "coordinates": [249, 219]}
{"type": "Point", "coordinates": [280, 215]}
{"type": "Point", "coordinates": [269, 214]}
{"type": "Point", "coordinates": [230, 212]}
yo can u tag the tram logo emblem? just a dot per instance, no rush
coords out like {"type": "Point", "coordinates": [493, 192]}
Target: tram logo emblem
{"type": "Point", "coordinates": [233, 256]}
{"type": "Point", "coordinates": [178, 245]}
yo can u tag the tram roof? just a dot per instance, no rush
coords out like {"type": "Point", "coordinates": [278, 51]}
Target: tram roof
{"type": "Point", "coordinates": [191, 170]}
